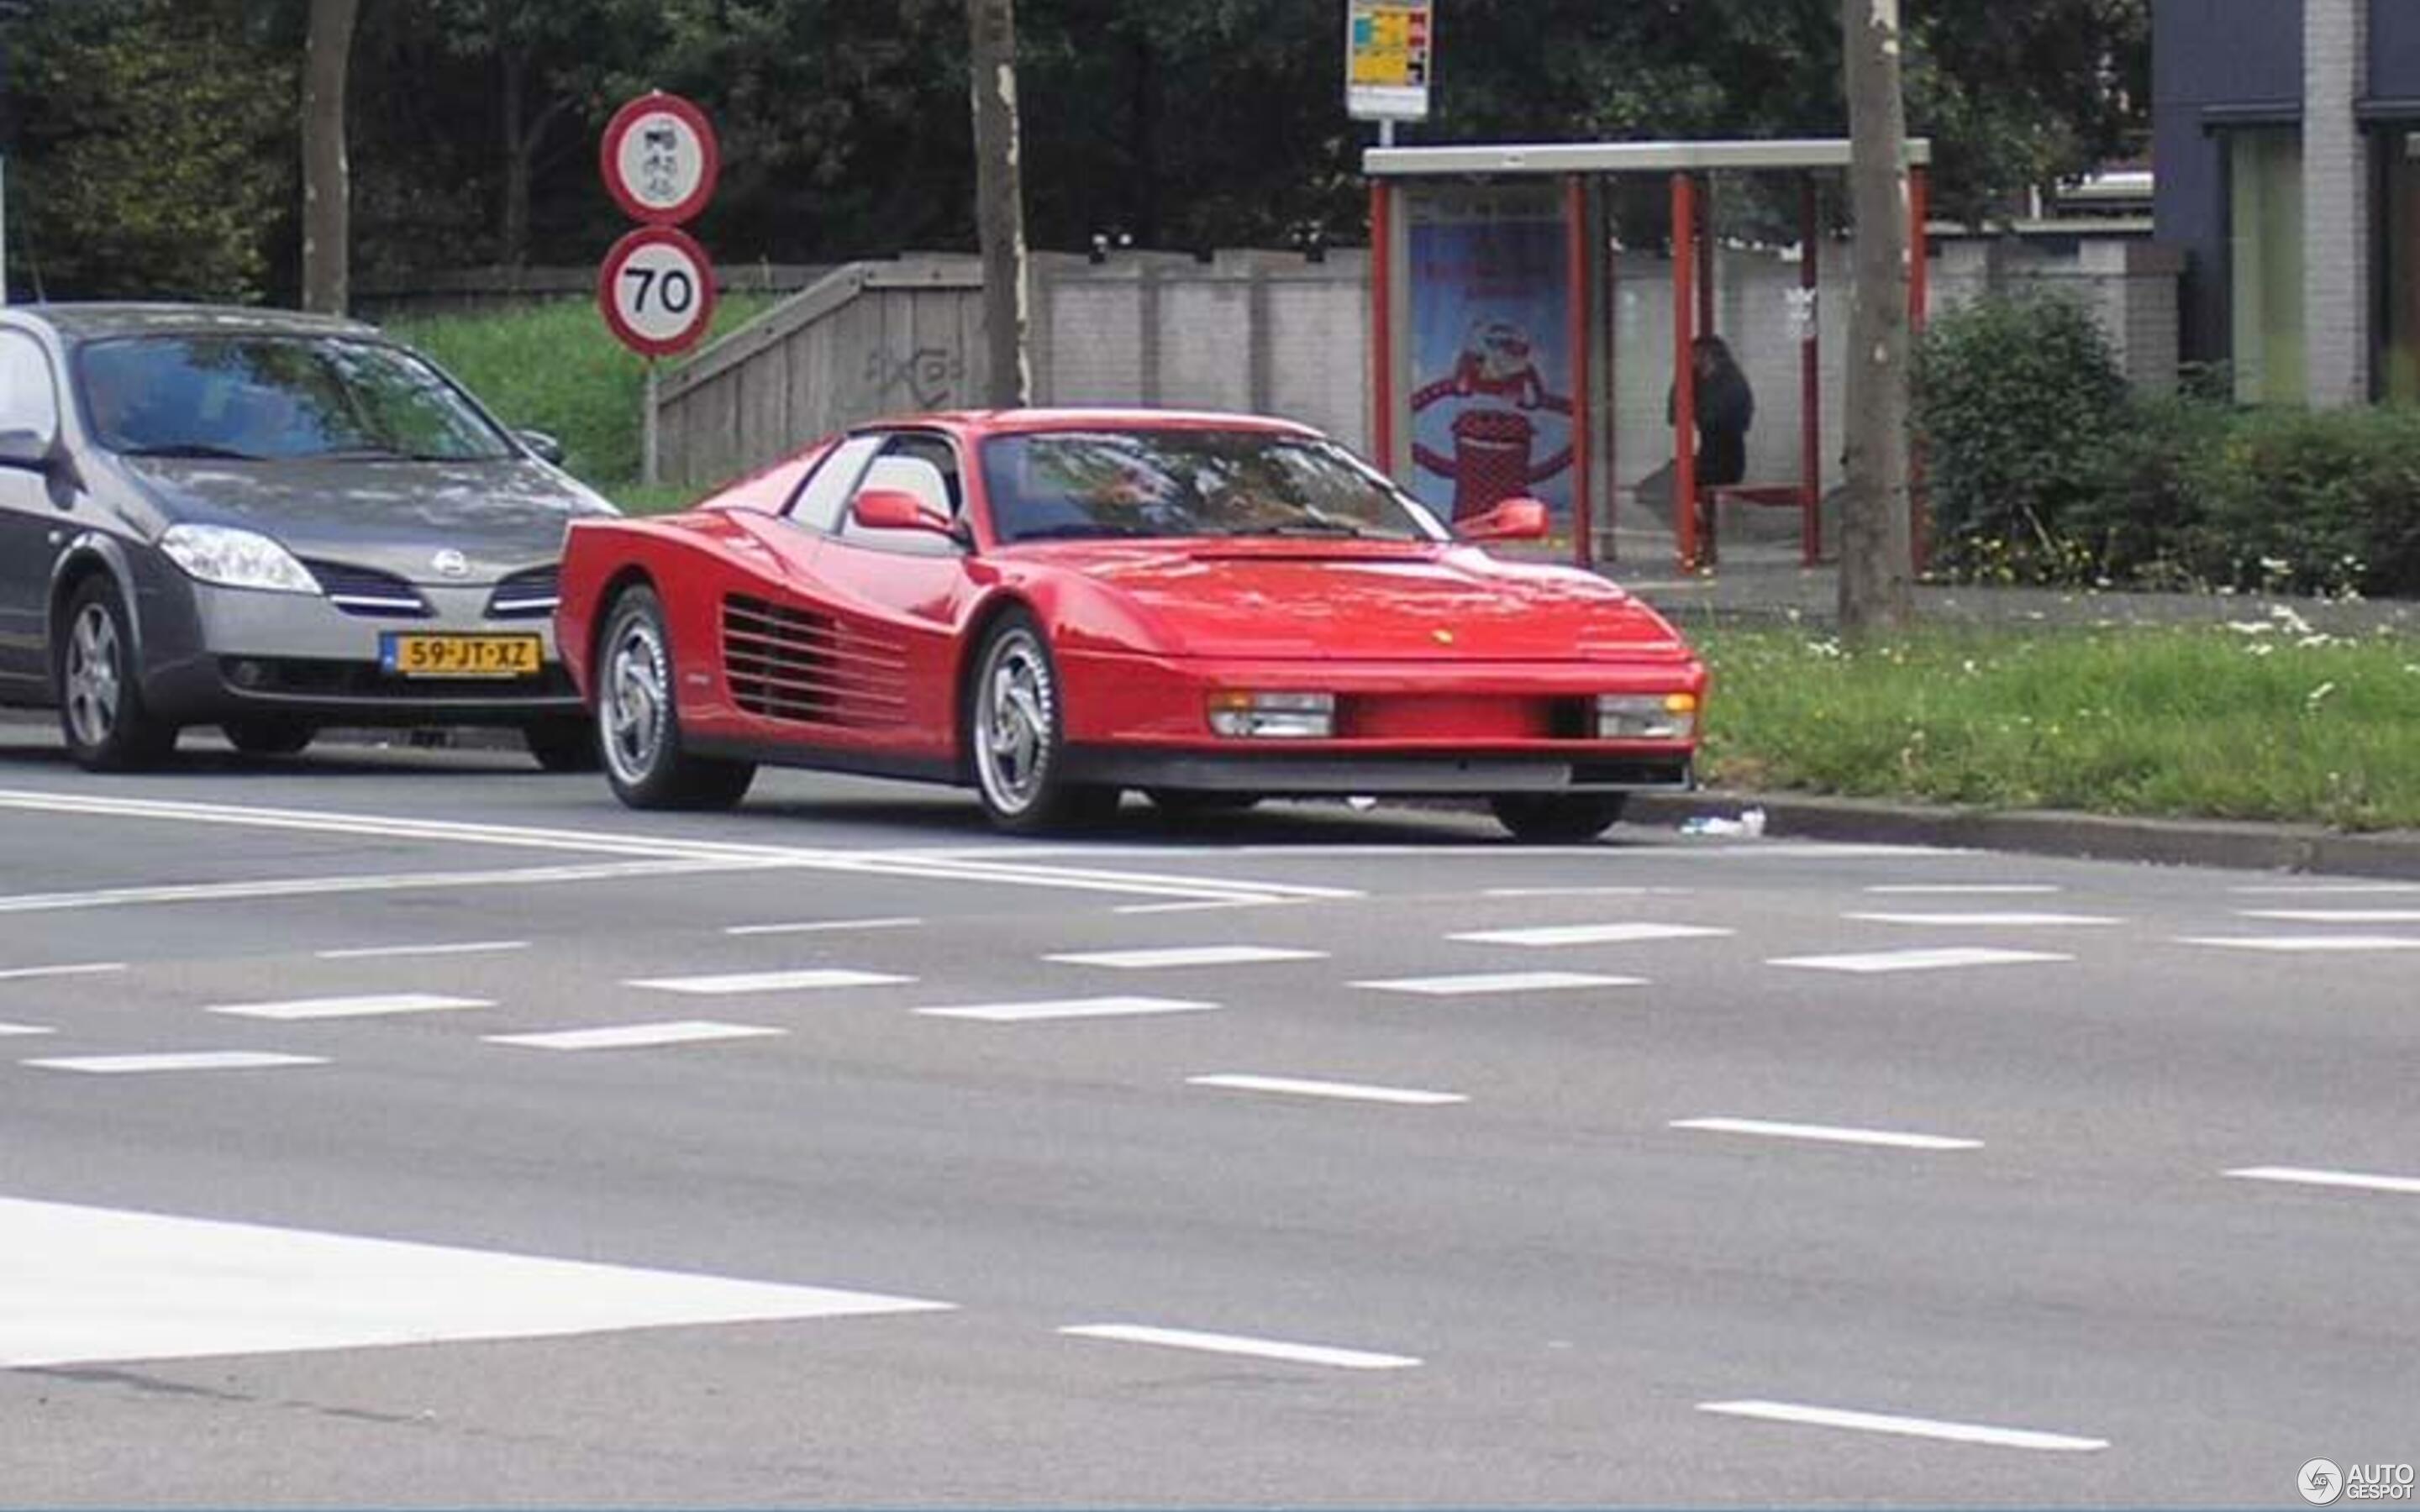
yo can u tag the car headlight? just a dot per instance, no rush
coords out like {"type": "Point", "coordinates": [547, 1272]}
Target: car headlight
{"type": "Point", "coordinates": [1273, 716]}
{"type": "Point", "coordinates": [1646, 715]}
{"type": "Point", "coordinates": [236, 559]}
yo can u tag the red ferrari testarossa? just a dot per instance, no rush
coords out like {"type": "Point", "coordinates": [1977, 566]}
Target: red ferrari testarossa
{"type": "Point", "coordinates": [1052, 607]}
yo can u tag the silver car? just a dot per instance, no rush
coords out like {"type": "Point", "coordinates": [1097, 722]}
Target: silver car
{"type": "Point", "coordinates": [272, 523]}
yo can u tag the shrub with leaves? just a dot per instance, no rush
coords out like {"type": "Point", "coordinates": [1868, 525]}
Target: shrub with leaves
{"type": "Point", "coordinates": [2308, 502]}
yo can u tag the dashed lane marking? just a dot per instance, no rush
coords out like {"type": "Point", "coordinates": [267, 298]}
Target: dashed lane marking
{"type": "Point", "coordinates": [2334, 916]}
{"type": "Point", "coordinates": [1499, 981]}
{"type": "Point", "coordinates": [1067, 1007]}
{"type": "Point", "coordinates": [1186, 955]}
{"type": "Point", "coordinates": [368, 1006]}
{"type": "Point", "coordinates": [1946, 959]}
{"type": "Point", "coordinates": [1826, 1134]}
{"type": "Point", "coordinates": [7, 1029]}
{"type": "Point", "coordinates": [374, 952]}
{"type": "Point", "coordinates": [635, 1036]}
{"type": "Point", "coordinates": [2306, 944]}
{"type": "Point", "coordinates": [1186, 1338]}
{"type": "Point", "coordinates": [1551, 935]}
{"type": "Point", "coordinates": [2320, 889]}
{"type": "Point", "coordinates": [208, 892]}
{"type": "Point", "coordinates": [91, 968]}
{"type": "Point", "coordinates": [821, 978]}
{"type": "Point", "coordinates": [90, 1284]}
{"type": "Point", "coordinates": [1347, 1091]}
{"type": "Point", "coordinates": [821, 926]}
{"type": "Point", "coordinates": [1919, 1427]}
{"type": "Point", "coordinates": [1991, 919]}
{"type": "Point", "coordinates": [2408, 1185]}
{"type": "Point", "coordinates": [194, 1061]}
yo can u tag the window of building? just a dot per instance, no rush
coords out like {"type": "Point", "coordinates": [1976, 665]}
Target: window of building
{"type": "Point", "coordinates": [2398, 354]}
{"type": "Point", "coordinates": [2264, 171]}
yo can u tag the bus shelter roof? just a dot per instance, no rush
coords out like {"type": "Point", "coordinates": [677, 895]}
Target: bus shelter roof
{"type": "Point", "coordinates": [1781, 154]}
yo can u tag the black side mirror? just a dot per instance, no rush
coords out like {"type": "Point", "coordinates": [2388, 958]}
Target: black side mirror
{"type": "Point", "coordinates": [545, 447]}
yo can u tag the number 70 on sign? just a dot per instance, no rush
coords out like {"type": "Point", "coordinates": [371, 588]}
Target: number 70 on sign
{"type": "Point", "coordinates": [656, 290]}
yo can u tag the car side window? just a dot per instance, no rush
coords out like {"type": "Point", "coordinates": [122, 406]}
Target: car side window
{"type": "Point", "coordinates": [924, 466]}
{"type": "Point", "coordinates": [28, 400]}
{"type": "Point", "coordinates": [818, 503]}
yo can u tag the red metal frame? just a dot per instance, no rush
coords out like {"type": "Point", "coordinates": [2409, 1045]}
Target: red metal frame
{"type": "Point", "coordinates": [1577, 331]}
{"type": "Point", "coordinates": [1810, 381]}
{"type": "Point", "coordinates": [1919, 209]}
{"type": "Point", "coordinates": [1684, 397]}
{"type": "Point", "coordinates": [1382, 326]}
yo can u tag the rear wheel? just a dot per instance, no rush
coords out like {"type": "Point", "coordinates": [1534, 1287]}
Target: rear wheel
{"type": "Point", "coordinates": [99, 688]}
{"type": "Point", "coordinates": [566, 745]}
{"type": "Point", "coordinates": [1016, 725]}
{"type": "Point", "coordinates": [641, 727]}
{"type": "Point", "coordinates": [269, 735]}
{"type": "Point", "coordinates": [1547, 817]}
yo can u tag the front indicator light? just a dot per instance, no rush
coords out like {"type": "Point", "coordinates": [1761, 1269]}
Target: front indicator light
{"type": "Point", "coordinates": [1273, 716]}
{"type": "Point", "coordinates": [1646, 715]}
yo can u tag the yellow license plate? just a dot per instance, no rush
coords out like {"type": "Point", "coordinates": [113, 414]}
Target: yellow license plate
{"type": "Point", "coordinates": [461, 655]}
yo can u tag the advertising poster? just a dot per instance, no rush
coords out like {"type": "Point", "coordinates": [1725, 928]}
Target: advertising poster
{"type": "Point", "coordinates": [1491, 407]}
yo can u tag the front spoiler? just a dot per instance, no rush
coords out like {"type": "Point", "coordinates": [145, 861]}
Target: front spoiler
{"type": "Point", "coordinates": [1300, 774]}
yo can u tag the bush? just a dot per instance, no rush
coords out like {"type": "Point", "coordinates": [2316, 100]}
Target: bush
{"type": "Point", "coordinates": [2018, 400]}
{"type": "Point", "coordinates": [2308, 502]}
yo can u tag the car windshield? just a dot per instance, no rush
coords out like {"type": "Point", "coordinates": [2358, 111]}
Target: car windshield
{"type": "Point", "coordinates": [263, 397]}
{"type": "Point", "coordinates": [1184, 482]}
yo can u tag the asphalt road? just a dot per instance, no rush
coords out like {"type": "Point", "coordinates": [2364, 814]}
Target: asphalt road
{"type": "Point", "coordinates": [402, 1128]}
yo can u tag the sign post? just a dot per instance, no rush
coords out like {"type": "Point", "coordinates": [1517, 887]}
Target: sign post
{"type": "Point", "coordinates": [660, 159]}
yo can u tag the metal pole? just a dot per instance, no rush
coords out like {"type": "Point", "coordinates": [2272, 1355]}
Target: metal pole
{"type": "Point", "coordinates": [1575, 277]}
{"type": "Point", "coordinates": [649, 462]}
{"type": "Point", "coordinates": [1685, 376]}
{"type": "Point", "coordinates": [3, 230]}
{"type": "Point", "coordinates": [1382, 326]}
{"type": "Point", "coordinates": [1811, 380]}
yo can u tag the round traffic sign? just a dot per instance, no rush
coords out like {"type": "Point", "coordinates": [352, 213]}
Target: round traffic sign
{"type": "Point", "coordinates": [657, 291]}
{"type": "Point", "coordinates": [659, 158]}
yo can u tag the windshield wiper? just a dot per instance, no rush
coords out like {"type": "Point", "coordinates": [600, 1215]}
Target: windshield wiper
{"type": "Point", "coordinates": [191, 449]}
{"type": "Point", "coordinates": [1307, 527]}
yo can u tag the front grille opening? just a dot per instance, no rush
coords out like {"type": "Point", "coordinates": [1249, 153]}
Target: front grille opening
{"type": "Point", "coordinates": [369, 593]}
{"type": "Point", "coordinates": [526, 596]}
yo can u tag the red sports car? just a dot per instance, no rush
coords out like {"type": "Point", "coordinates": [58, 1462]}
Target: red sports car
{"type": "Point", "coordinates": [1052, 607]}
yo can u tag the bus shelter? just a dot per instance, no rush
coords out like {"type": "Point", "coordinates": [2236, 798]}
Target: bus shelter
{"type": "Point", "coordinates": [1534, 311]}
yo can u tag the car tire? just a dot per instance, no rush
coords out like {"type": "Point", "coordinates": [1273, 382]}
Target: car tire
{"type": "Point", "coordinates": [1016, 741]}
{"type": "Point", "coordinates": [563, 745]}
{"type": "Point", "coordinates": [101, 688]}
{"type": "Point", "coordinates": [1185, 804]}
{"type": "Point", "coordinates": [1544, 817]}
{"type": "Point", "coordinates": [639, 725]}
{"type": "Point", "coordinates": [269, 735]}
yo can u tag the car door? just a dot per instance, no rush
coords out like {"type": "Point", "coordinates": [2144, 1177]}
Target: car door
{"type": "Point", "coordinates": [33, 526]}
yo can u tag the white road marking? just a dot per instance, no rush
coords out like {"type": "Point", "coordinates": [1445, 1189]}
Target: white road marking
{"type": "Point", "coordinates": [2408, 1185]}
{"type": "Point", "coordinates": [2335, 916]}
{"type": "Point", "coordinates": [2317, 889]}
{"type": "Point", "coordinates": [1956, 888]}
{"type": "Point", "coordinates": [369, 1005]}
{"type": "Point", "coordinates": [1186, 955]}
{"type": "Point", "coordinates": [1499, 981]}
{"type": "Point", "coordinates": [1476, 850]}
{"type": "Point", "coordinates": [197, 1060]}
{"type": "Point", "coordinates": [372, 952]}
{"type": "Point", "coordinates": [1200, 907]}
{"type": "Point", "coordinates": [1067, 1007]}
{"type": "Point", "coordinates": [25, 1028]}
{"type": "Point", "coordinates": [1938, 960]}
{"type": "Point", "coordinates": [2312, 944]}
{"type": "Point", "coordinates": [1548, 935]}
{"type": "Point", "coordinates": [1985, 919]}
{"type": "Point", "coordinates": [207, 892]}
{"type": "Point", "coordinates": [1826, 1134]}
{"type": "Point", "coordinates": [818, 926]}
{"type": "Point", "coordinates": [1920, 1427]}
{"type": "Point", "coordinates": [809, 979]}
{"type": "Point", "coordinates": [634, 1036]}
{"type": "Point", "coordinates": [1349, 1091]}
{"type": "Point", "coordinates": [92, 968]}
{"type": "Point", "coordinates": [1185, 1339]}
{"type": "Point", "coordinates": [89, 1285]}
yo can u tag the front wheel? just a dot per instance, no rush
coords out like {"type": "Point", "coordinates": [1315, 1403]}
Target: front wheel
{"type": "Point", "coordinates": [99, 687]}
{"type": "Point", "coordinates": [639, 725]}
{"type": "Point", "coordinates": [1016, 725]}
{"type": "Point", "coordinates": [1542, 818]}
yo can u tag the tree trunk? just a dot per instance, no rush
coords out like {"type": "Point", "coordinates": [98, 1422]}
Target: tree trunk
{"type": "Point", "coordinates": [999, 204]}
{"type": "Point", "coordinates": [1877, 591]}
{"type": "Point", "coordinates": [327, 189]}
{"type": "Point", "coordinates": [513, 249]}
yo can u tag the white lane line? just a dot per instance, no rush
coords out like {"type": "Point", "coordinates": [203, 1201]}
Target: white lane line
{"type": "Point", "coordinates": [369, 1005]}
{"type": "Point", "coordinates": [811, 979]}
{"type": "Point", "coordinates": [1990, 919]}
{"type": "Point", "coordinates": [634, 1036]}
{"type": "Point", "coordinates": [1491, 851]}
{"type": "Point", "coordinates": [1499, 981]}
{"type": "Point", "coordinates": [819, 926]}
{"type": "Point", "coordinates": [92, 968]}
{"type": "Point", "coordinates": [1548, 935]}
{"type": "Point", "coordinates": [2334, 916]}
{"type": "Point", "coordinates": [2355, 1180]}
{"type": "Point", "coordinates": [199, 1060]}
{"type": "Point", "coordinates": [7, 1029]}
{"type": "Point", "coordinates": [1826, 1134]}
{"type": "Point", "coordinates": [1186, 1338]}
{"type": "Point", "coordinates": [373, 952]}
{"type": "Point", "coordinates": [1920, 1427]}
{"type": "Point", "coordinates": [1067, 1007]}
{"type": "Point", "coordinates": [1201, 906]}
{"type": "Point", "coordinates": [88, 1285]}
{"type": "Point", "coordinates": [1935, 960]}
{"type": "Point", "coordinates": [207, 892]}
{"type": "Point", "coordinates": [1348, 1091]}
{"type": "Point", "coordinates": [1186, 955]}
{"type": "Point", "coordinates": [2320, 889]}
{"type": "Point", "coordinates": [2305, 944]}
{"type": "Point", "coordinates": [1963, 888]}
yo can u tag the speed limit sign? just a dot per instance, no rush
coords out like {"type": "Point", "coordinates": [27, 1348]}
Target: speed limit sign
{"type": "Point", "coordinates": [657, 291]}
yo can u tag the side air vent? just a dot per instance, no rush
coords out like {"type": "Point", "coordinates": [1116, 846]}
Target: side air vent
{"type": "Point", "coordinates": [525, 596]}
{"type": "Point", "coordinates": [366, 590]}
{"type": "Point", "coordinates": [789, 664]}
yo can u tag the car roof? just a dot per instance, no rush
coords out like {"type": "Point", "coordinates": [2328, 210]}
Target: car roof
{"type": "Point", "coordinates": [1015, 421]}
{"type": "Point", "coordinates": [77, 322]}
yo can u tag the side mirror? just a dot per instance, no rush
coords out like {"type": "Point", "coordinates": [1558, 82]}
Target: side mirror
{"type": "Point", "coordinates": [27, 450]}
{"type": "Point", "coordinates": [546, 447]}
{"type": "Point", "coordinates": [1512, 519]}
{"type": "Point", "coordinates": [896, 509]}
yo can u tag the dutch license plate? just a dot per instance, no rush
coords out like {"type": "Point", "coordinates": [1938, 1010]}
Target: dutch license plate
{"type": "Point", "coordinates": [461, 655]}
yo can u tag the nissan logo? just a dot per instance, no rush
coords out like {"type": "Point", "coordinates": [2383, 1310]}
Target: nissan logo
{"type": "Point", "coordinates": [451, 564]}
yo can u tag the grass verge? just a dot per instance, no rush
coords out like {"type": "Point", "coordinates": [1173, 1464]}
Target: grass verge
{"type": "Point", "coordinates": [2262, 720]}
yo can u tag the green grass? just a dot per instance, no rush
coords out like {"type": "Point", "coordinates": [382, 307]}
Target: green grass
{"type": "Point", "coordinates": [2267, 723]}
{"type": "Point", "coordinates": [554, 367]}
